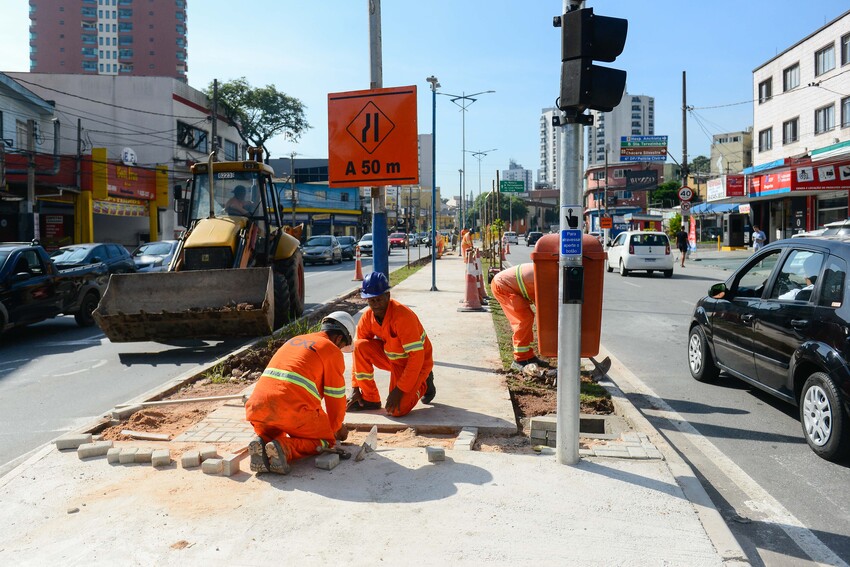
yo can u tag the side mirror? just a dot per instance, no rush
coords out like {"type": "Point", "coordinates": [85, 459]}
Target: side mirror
{"type": "Point", "coordinates": [718, 291]}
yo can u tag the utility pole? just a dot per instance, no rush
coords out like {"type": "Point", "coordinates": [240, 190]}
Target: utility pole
{"type": "Point", "coordinates": [292, 185]}
{"type": "Point", "coordinates": [605, 231]}
{"type": "Point", "coordinates": [32, 216]}
{"type": "Point", "coordinates": [215, 119]}
{"type": "Point", "coordinates": [684, 139]}
{"type": "Point", "coordinates": [380, 256]}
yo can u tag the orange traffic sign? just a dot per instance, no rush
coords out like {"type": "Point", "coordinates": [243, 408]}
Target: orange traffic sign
{"type": "Point", "coordinates": [373, 138]}
{"type": "Point", "coordinates": [606, 222]}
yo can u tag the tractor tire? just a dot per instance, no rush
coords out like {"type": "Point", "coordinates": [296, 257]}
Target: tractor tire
{"type": "Point", "coordinates": [293, 269]}
{"type": "Point", "coordinates": [84, 317]}
{"type": "Point", "coordinates": [281, 300]}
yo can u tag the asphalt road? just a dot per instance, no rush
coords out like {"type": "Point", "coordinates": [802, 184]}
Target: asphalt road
{"type": "Point", "coordinates": [56, 376]}
{"type": "Point", "coordinates": [785, 505]}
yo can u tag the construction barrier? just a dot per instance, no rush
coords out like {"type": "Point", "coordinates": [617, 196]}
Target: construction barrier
{"type": "Point", "coordinates": [482, 294]}
{"type": "Point", "coordinates": [358, 267]}
{"type": "Point", "coordinates": [471, 302]}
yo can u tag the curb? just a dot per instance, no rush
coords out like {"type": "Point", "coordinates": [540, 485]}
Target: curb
{"type": "Point", "coordinates": [716, 529]}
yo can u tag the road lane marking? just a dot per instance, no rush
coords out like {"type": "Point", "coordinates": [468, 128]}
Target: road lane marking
{"type": "Point", "coordinates": [97, 364]}
{"type": "Point", "coordinates": [757, 498]}
{"type": "Point", "coordinates": [631, 284]}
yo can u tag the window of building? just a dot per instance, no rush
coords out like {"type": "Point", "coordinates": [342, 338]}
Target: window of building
{"type": "Point", "coordinates": [101, 67]}
{"type": "Point", "coordinates": [100, 13]}
{"type": "Point", "coordinates": [791, 77]}
{"type": "Point", "coordinates": [824, 60]}
{"type": "Point", "coordinates": [114, 41]}
{"type": "Point", "coordinates": [790, 131]}
{"type": "Point", "coordinates": [635, 131]}
{"type": "Point", "coordinates": [231, 151]}
{"type": "Point", "coordinates": [845, 49]}
{"type": "Point", "coordinates": [766, 139]}
{"type": "Point", "coordinates": [125, 27]}
{"type": "Point", "coordinates": [765, 90]}
{"type": "Point", "coordinates": [125, 53]}
{"type": "Point", "coordinates": [99, 27]}
{"type": "Point", "coordinates": [100, 40]}
{"type": "Point", "coordinates": [100, 53]}
{"type": "Point", "coordinates": [90, 66]}
{"type": "Point", "coordinates": [190, 137]}
{"type": "Point", "coordinates": [845, 112]}
{"type": "Point", "coordinates": [824, 119]}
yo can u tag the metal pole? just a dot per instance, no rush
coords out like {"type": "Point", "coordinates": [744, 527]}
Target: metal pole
{"type": "Point", "coordinates": [292, 184]}
{"type": "Point", "coordinates": [460, 207]}
{"type": "Point", "coordinates": [605, 231]}
{"type": "Point", "coordinates": [569, 314]}
{"type": "Point", "coordinates": [32, 216]}
{"type": "Point", "coordinates": [215, 118]}
{"type": "Point", "coordinates": [380, 257]}
{"type": "Point", "coordinates": [434, 84]}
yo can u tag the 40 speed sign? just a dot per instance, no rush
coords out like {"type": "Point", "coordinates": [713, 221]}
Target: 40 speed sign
{"type": "Point", "coordinates": [686, 193]}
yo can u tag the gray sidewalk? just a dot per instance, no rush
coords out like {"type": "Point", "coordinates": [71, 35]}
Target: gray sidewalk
{"type": "Point", "coordinates": [396, 507]}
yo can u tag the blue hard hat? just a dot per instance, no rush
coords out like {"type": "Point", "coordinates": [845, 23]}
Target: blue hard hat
{"type": "Point", "coordinates": [375, 284]}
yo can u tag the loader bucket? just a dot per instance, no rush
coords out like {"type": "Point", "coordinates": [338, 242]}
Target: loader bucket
{"type": "Point", "coordinates": [208, 304]}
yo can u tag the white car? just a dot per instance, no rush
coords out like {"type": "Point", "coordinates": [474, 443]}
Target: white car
{"type": "Point", "coordinates": [510, 237]}
{"type": "Point", "coordinates": [638, 250]}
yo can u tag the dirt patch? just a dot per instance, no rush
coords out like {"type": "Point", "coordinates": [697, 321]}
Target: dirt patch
{"type": "Point", "coordinates": [532, 398]}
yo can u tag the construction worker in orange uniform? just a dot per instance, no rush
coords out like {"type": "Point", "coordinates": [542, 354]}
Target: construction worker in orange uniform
{"type": "Point", "coordinates": [286, 405]}
{"type": "Point", "coordinates": [514, 290]}
{"type": "Point", "coordinates": [390, 337]}
{"type": "Point", "coordinates": [465, 241]}
{"type": "Point", "coordinates": [441, 244]}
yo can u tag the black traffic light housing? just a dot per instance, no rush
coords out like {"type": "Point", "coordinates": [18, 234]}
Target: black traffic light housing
{"type": "Point", "coordinates": [586, 37]}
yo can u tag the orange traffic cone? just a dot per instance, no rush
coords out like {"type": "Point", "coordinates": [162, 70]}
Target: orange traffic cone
{"type": "Point", "coordinates": [358, 267]}
{"type": "Point", "coordinates": [482, 296]}
{"type": "Point", "coordinates": [471, 302]}
{"type": "Point", "coordinates": [507, 247]}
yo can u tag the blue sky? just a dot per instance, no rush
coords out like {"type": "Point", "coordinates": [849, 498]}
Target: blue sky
{"type": "Point", "coordinates": [310, 48]}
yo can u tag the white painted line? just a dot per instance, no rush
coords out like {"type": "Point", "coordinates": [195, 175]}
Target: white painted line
{"type": "Point", "coordinates": [759, 500]}
{"type": "Point", "coordinates": [15, 362]}
{"type": "Point", "coordinates": [691, 303]}
{"type": "Point", "coordinates": [97, 364]}
{"type": "Point", "coordinates": [631, 284]}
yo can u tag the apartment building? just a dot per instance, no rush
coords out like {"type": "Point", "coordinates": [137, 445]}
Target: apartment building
{"type": "Point", "coordinates": [731, 152]}
{"type": "Point", "coordinates": [634, 116]}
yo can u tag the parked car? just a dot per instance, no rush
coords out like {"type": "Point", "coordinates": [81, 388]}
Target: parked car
{"type": "Point", "coordinates": [398, 240]}
{"type": "Point", "coordinates": [510, 237]}
{"type": "Point", "coordinates": [347, 243]}
{"type": "Point", "coordinates": [780, 323]}
{"type": "Point", "coordinates": [647, 251]}
{"type": "Point", "coordinates": [322, 249]}
{"type": "Point", "coordinates": [114, 256]}
{"type": "Point", "coordinates": [154, 256]}
{"type": "Point", "coordinates": [33, 289]}
{"type": "Point", "coordinates": [836, 228]}
{"type": "Point", "coordinates": [533, 237]}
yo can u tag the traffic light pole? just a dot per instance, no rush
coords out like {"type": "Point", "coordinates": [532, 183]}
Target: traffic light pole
{"type": "Point", "coordinates": [380, 256]}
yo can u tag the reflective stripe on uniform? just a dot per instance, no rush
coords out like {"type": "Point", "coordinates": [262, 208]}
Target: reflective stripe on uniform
{"type": "Point", "coordinates": [334, 392]}
{"type": "Point", "coordinates": [520, 349]}
{"type": "Point", "coordinates": [418, 345]}
{"type": "Point", "coordinates": [365, 376]}
{"type": "Point", "coordinates": [295, 379]}
{"type": "Point", "coordinates": [521, 283]}
{"type": "Point", "coordinates": [395, 355]}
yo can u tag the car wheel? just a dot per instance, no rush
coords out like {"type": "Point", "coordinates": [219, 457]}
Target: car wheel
{"type": "Point", "coordinates": [608, 266]}
{"type": "Point", "coordinates": [668, 273]}
{"type": "Point", "coordinates": [623, 271]}
{"type": "Point", "coordinates": [700, 362]}
{"type": "Point", "coordinates": [84, 317]}
{"type": "Point", "coordinates": [825, 424]}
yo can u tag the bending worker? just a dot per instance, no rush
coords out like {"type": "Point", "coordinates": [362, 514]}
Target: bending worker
{"type": "Point", "coordinates": [286, 405]}
{"type": "Point", "coordinates": [514, 290]}
{"type": "Point", "coordinates": [390, 337]}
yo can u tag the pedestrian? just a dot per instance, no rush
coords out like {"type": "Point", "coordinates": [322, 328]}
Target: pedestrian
{"type": "Point", "coordinates": [285, 408]}
{"type": "Point", "coordinates": [514, 290]}
{"type": "Point", "coordinates": [390, 337]}
{"type": "Point", "coordinates": [759, 238]}
{"type": "Point", "coordinates": [682, 243]}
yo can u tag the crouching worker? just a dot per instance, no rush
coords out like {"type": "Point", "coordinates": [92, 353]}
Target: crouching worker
{"type": "Point", "coordinates": [513, 288]}
{"type": "Point", "coordinates": [390, 337]}
{"type": "Point", "coordinates": [286, 405]}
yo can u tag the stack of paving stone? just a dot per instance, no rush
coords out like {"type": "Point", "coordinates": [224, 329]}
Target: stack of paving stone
{"type": "Point", "coordinates": [87, 447]}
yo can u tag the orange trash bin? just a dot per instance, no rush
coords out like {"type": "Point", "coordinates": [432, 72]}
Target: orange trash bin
{"type": "Point", "coordinates": [546, 277]}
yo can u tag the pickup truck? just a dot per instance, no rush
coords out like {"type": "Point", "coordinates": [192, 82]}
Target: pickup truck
{"type": "Point", "coordinates": [33, 289]}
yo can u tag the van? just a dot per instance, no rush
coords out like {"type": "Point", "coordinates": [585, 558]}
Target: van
{"type": "Point", "coordinates": [510, 237]}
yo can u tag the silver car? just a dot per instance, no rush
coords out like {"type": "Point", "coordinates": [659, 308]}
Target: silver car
{"type": "Point", "coordinates": [154, 256]}
{"type": "Point", "coordinates": [324, 249]}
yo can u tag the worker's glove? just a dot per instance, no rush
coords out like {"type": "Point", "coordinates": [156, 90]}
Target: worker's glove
{"type": "Point", "coordinates": [394, 400]}
{"type": "Point", "coordinates": [342, 434]}
{"type": "Point", "coordinates": [355, 401]}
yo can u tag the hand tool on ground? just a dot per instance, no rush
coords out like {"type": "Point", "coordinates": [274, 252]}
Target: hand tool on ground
{"type": "Point", "coordinates": [368, 445]}
{"type": "Point", "coordinates": [343, 454]}
{"type": "Point", "coordinates": [600, 368]}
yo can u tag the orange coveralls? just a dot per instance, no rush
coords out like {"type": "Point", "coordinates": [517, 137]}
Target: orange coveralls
{"type": "Point", "coordinates": [399, 345]}
{"type": "Point", "coordinates": [287, 401]}
{"type": "Point", "coordinates": [466, 243]}
{"type": "Point", "coordinates": [514, 290]}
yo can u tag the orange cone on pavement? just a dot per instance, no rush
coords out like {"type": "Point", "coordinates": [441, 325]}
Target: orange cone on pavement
{"type": "Point", "coordinates": [358, 267]}
{"type": "Point", "coordinates": [482, 296]}
{"type": "Point", "coordinates": [471, 302]}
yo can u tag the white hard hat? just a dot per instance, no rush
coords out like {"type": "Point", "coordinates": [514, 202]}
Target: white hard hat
{"type": "Point", "coordinates": [340, 321]}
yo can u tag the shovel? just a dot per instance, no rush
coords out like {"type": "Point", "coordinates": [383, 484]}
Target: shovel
{"type": "Point", "coordinates": [368, 445]}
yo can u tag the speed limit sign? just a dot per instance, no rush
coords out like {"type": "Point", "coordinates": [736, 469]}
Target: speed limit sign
{"type": "Point", "coordinates": [686, 193]}
{"type": "Point", "coordinates": [686, 206]}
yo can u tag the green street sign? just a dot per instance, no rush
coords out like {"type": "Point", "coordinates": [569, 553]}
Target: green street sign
{"type": "Point", "coordinates": [512, 186]}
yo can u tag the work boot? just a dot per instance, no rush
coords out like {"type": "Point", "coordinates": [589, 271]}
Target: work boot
{"type": "Point", "coordinates": [277, 458]}
{"type": "Point", "coordinates": [431, 390]}
{"type": "Point", "coordinates": [363, 405]}
{"type": "Point", "coordinates": [539, 362]}
{"type": "Point", "coordinates": [259, 459]}
{"type": "Point", "coordinates": [518, 365]}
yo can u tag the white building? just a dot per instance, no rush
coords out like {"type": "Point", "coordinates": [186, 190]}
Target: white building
{"type": "Point", "coordinates": [516, 172]}
{"type": "Point", "coordinates": [550, 148]}
{"type": "Point", "coordinates": [634, 116]}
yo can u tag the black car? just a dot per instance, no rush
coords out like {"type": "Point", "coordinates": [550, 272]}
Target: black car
{"type": "Point", "coordinates": [780, 323]}
{"type": "Point", "coordinates": [347, 243]}
{"type": "Point", "coordinates": [117, 259]}
{"type": "Point", "coordinates": [532, 238]}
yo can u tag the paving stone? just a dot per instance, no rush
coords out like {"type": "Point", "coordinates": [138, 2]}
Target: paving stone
{"type": "Point", "coordinates": [230, 463]}
{"type": "Point", "coordinates": [466, 439]}
{"type": "Point", "coordinates": [654, 453]}
{"type": "Point", "coordinates": [112, 455]}
{"type": "Point", "coordinates": [145, 435]}
{"type": "Point", "coordinates": [538, 434]}
{"type": "Point", "coordinates": [327, 461]}
{"type": "Point", "coordinates": [96, 449]}
{"type": "Point", "coordinates": [143, 455]}
{"type": "Point", "coordinates": [73, 440]}
{"type": "Point", "coordinates": [637, 452]}
{"type": "Point", "coordinates": [208, 453]}
{"type": "Point", "coordinates": [435, 454]}
{"type": "Point", "coordinates": [212, 466]}
{"type": "Point", "coordinates": [547, 422]}
{"type": "Point", "coordinates": [125, 412]}
{"type": "Point", "coordinates": [608, 452]}
{"type": "Point", "coordinates": [161, 458]}
{"type": "Point", "coordinates": [190, 459]}
{"type": "Point", "coordinates": [128, 455]}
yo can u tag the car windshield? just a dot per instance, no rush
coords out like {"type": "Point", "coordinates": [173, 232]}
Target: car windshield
{"type": "Point", "coordinates": [319, 241]}
{"type": "Point", "coordinates": [397, 235]}
{"type": "Point", "coordinates": [366, 237]}
{"type": "Point", "coordinates": [153, 249]}
{"type": "Point", "coordinates": [836, 231]}
{"type": "Point", "coordinates": [346, 239]}
{"type": "Point", "coordinates": [649, 240]}
{"type": "Point", "coordinates": [69, 255]}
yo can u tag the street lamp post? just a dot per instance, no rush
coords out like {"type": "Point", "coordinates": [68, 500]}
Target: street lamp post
{"type": "Point", "coordinates": [435, 84]}
{"type": "Point", "coordinates": [479, 155]}
{"type": "Point", "coordinates": [460, 222]}
{"type": "Point", "coordinates": [292, 183]}
{"type": "Point", "coordinates": [464, 101]}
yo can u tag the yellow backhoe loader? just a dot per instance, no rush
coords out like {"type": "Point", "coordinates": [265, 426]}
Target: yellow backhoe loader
{"type": "Point", "coordinates": [238, 271]}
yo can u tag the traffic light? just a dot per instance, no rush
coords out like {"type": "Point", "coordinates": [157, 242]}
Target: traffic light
{"type": "Point", "coordinates": [585, 38]}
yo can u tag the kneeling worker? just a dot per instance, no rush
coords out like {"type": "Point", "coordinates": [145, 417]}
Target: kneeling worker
{"type": "Point", "coordinates": [286, 405]}
{"type": "Point", "coordinates": [390, 336]}
{"type": "Point", "coordinates": [513, 288]}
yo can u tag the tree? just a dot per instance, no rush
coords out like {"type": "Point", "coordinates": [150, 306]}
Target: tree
{"type": "Point", "coordinates": [508, 204]}
{"type": "Point", "coordinates": [666, 193]}
{"type": "Point", "coordinates": [260, 113]}
{"type": "Point", "coordinates": [674, 225]}
{"type": "Point", "coordinates": [700, 164]}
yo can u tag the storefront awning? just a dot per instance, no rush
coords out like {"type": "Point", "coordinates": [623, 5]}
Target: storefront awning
{"type": "Point", "coordinates": [714, 208]}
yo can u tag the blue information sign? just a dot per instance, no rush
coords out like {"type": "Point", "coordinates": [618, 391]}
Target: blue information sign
{"type": "Point", "coordinates": [571, 242]}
